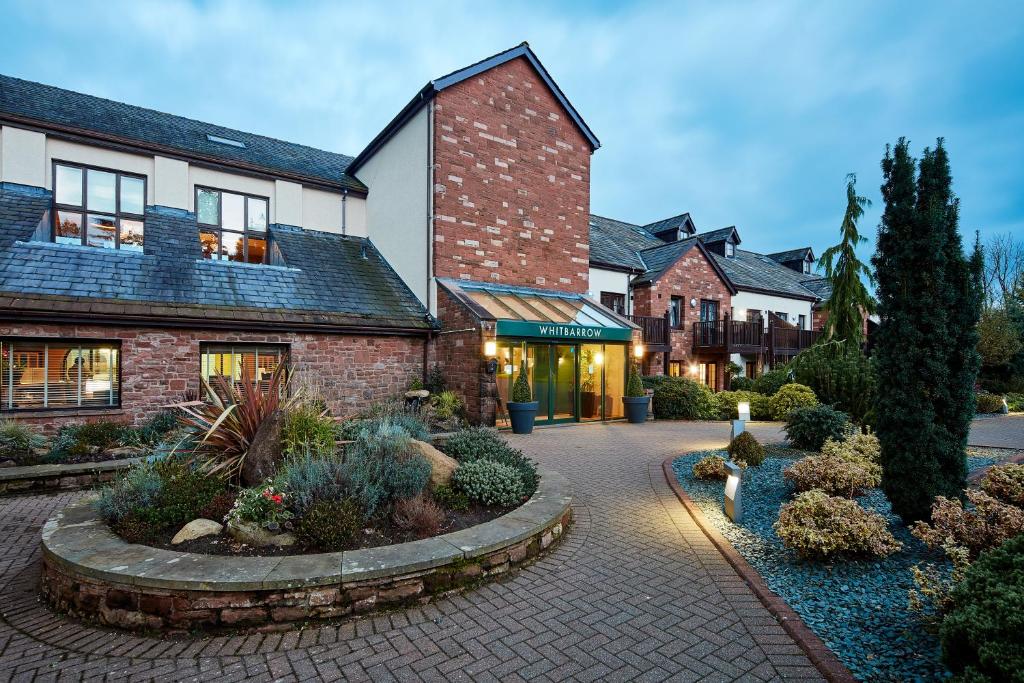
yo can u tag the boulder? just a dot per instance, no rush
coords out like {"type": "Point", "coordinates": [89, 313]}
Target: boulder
{"type": "Point", "coordinates": [254, 535]}
{"type": "Point", "coordinates": [441, 466]}
{"type": "Point", "coordinates": [264, 454]}
{"type": "Point", "coordinates": [197, 528]}
{"type": "Point", "coordinates": [123, 452]}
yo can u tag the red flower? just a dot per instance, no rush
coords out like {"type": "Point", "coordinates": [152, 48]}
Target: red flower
{"type": "Point", "coordinates": [266, 493]}
{"type": "Point", "coordinates": [277, 499]}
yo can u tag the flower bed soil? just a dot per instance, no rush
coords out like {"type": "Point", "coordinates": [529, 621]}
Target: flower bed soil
{"type": "Point", "coordinates": [858, 607]}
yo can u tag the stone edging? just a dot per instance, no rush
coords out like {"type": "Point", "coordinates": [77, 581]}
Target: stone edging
{"type": "Point", "coordinates": [823, 658]}
{"type": "Point", "coordinates": [90, 572]}
{"type": "Point", "coordinates": [61, 477]}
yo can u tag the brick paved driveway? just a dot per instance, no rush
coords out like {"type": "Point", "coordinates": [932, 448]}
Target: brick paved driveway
{"type": "Point", "coordinates": [634, 592]}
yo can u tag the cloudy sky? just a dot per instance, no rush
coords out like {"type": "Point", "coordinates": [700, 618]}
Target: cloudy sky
{"type": "Point", "coordinates": [746, 114]}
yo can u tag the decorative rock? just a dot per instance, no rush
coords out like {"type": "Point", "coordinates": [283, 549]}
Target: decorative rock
{"type": "Point", "coordinates": [8, 463]}
{"type": "Point", "coordinates": [441, 466]}
{"type": "Point", "coordinates": [251, 534]}
{"type": "Point", "coordinates": [197, 528]}
{"type": "Point", "coordinates": [264, 454]}
{"type": "Point", "coordinates": [417, 393]}
{"type": "Point", "coordinates": [123, 452]}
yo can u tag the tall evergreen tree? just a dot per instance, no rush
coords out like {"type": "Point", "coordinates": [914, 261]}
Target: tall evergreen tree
{"type": "Point", "coordinates": [850, 299]}
{"type": "Point", "coordinates": [928, 301]}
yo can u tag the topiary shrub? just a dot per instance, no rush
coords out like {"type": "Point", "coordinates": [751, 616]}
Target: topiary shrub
{"type": "Point", "coordinates": [330, 525]}
{"type": "Point", "coordinates": [818, 526]}
{"type": "Point", "coordinates": [710, 467]}
{"type": "Point", "coordinates": [985, 525]}
{"type": "Point", "coordinates": [679, 398]}
{"type": "Point", "coordinates": [746, 450]}
{"type": "Point", "coordinates": [521, 391]}
{"type": "Point", "coordinates": [419, 515]}
{"type": "Point", "coordinates": [834, 475]}
{"type": "Point", "coordinates": [981, 634]}
{"type": "Point", "coordinates": [986, 403]}
{"type": "Point", "coordinates": [306, 428]}
{"type": "Point", "coordinates": [1005, 483]}
{"type": "Point", "coordinates": [480, 443]}
{"type": "Point", "coordinates": [450, 498]}
{"type": "Point", "coordinates": [18, 442]}
{"type": "Point", "coordinates": [489, 482]}
{"type": "Point", "coordinates": [726, 403]}
{"type": "Point", "coordinates": [634, 385]}
{"type": "Point", "coordinates": [770, 382]}
{"type": "Point", "coordinates": [790, 397]}
{"type": "Point", "coordinates": [809, 428]}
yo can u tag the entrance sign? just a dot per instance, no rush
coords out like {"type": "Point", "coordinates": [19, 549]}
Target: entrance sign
{"type": "Point", "coordinates": [537, 330]}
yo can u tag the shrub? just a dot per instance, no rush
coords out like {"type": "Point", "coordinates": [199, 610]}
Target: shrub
{"type": "Point", "coordinates": [679, 398]}
{"type": "Point", "coordinates": [394, 412]}
{"type": "Point", "coordinates": [746, 450]}
{"type": "Point", "coordinates": [138, 489]}
{"type": "Point", "coordinates": [790, 397]}
{"type": "Point", "coordinates": [987, 524]}
{"type": "Point", "coordinates": [312, 477]}
{"type": "Point", "coordinates": [818, 526]}
{"type": "Point", "coordinates": [265, 506]}
{"type": "Point", "coordinates": [384, 468]}
{"type": "Point", "coordinates": [652, 382]}
{"type": "Point", "coordinates": [1005, 483]}
{"type": "Point", "coordinates": [489, 482]}
{"type": "Point", "coordinates": [76, 440]}
{"type": "Point", "coordinates": [1015, 403]}
{"type": "Point", "coordinates": [727, 402]}
{"type": "Point", "coordinates": [521, 391]}
{"type": "Point", "coordinates": [158, 426]}
{"type": "Point", "coordinates": [988, 403]}
{"type": "Point", "coordinates": [446, 405]}
{"type": "Point", "coordinates": [770, 382]}
{"type": "Point", "coordinates": [305, 428]}
{"type": "Point", "coordinates": [18, 441]}
{"type": "Point", "coordinates": [450, 498]}
{"type": "Point", "coordinates": [981, 635]}
{"type": "Point", "coordinates": [436, 382]}
{"type": "Point", "coordinates": [809, 428]}
{"type": "Point", "coordinates": [710, 467]}
{"type": "Point", "coordinates": [855, 447]}
{"type": "Point", "coordinates": [330, 525]}
{"type": "Point", "coordinates": [834, 475]}
{"type": "Point", "coordinates": [183, 494]}
{"type": "Point", "coordinates": [419, 515]}
{"type": "Point", "coordinates": [480, 443]}
{"type": "Point", "coordinates": [840, 375]}
{"type": "Point", "coordinates": [218, 507]}
{"type": "Point", "coordinates": [741, 384]}
{"type": "Point", "coordinates": [634, 385]}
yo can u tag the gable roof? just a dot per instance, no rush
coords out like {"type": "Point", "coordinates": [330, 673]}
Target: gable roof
{"type": "Point", "coordinates": [427, 93]}
{"type": "Point", "coordinates": [35, 104]}
{"type": "Point", "coordinates": [660, 259]}
{"type": "Point", "coordinates": [328, 281]}
{"type": "Point", "coordinates": [719, 235]}
{"type": "Point", "coordinates": [820, 286]}
{"type": "Point", "coordinates": [616, 243]}
{"type": "Point", "coordinates": [759, 273]}
{"type": "Point", "coordinates": [682, 222]}
{"type": "Point", "coordinates": [792, 255]}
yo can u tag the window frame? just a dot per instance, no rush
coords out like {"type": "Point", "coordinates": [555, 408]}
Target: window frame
{"type": "Point", "coordinates": [284, 356]}
{"type": "Point", "coordinates": [219, 228]}
{"type": "Point", "coordinates": [677, 309]}
{"type": "Point", "coordinates": [730, 249]}
{"type": "Point", "coordinates": [801, 321]}
{"type": "Point", "coordinates": [72, 342]}
{"type": "Point", "coordinates": [83, 209]}
{"type": "Point", "coordinates": [618, 297]}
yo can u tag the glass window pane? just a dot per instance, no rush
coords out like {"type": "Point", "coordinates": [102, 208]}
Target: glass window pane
{"type": "Point", "coordinates": [101, 231]}
{"type": "Point", "coordinates": [99, 376]}
{"type": "Point", "coordinates": [231, 246]}
{"type": "Point", "coordinates": [257, 250]}
{"type": "Point", "coordinates": [62, 370]}
{"type": "Point", "coordinates": [234, 211]}
{"type": "Point", "coordinates": [100, 187]}
{"type": "Point", "coordinates": [68, 186]}
{"type": "Point", "coordinates": [208, 207]}
{"type": "Point", "coordinates": [132, 199]}
{"type": "Point", "coordinates": [257, 214]}
{"type": "Point", "coordinates": [208, 242]}
{"type": "Point", "coordinates": [131, 235]}
{"type": "Point", "coordinates": [68, 229]}
{"type": "Point", "coordinates": [29, 374]}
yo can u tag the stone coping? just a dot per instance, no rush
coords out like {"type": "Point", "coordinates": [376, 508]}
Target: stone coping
{"type": "Point", "coordinates": [76, 541]}
{"type": "Point", "coordinates": [28, 472]}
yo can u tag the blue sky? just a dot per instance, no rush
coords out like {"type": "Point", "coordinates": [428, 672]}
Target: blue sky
{"type": "Point", "coordinates": [748, 114]}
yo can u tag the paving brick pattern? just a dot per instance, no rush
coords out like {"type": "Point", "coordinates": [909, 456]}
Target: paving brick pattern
{"type": "Point", "coordinates": [634, 592]}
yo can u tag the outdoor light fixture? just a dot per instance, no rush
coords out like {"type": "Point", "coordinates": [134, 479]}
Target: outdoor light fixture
{"type": "Point", "coordinates": [638, 350]}
{"type": "Point", "coordinates": [693, 368]}
{"type": "Point", "coordinates": [598, 358]}
{"type": "Point", "coordinates": [693, 303]}
{"type": "Point", "coordinates": [490, 348]}
{"type": "Point", "coordinates": [733, 491]}
{"type": "Point", "coordinates": [743, 408]}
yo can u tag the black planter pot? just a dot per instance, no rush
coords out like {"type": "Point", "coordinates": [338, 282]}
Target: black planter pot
{"type": "Point", "coordinates": [522, 416]}
{"type": "Point", "coordinates": [636, 408]}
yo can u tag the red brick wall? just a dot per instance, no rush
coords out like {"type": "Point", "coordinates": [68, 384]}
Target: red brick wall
{"type": "Point", "coordinates": [691, 277]}
{"type": "Point", "coordinates": [511, 183]}
{"type": "Point", "coordinates": [458, 348]}
{"type": "Point", "coordinates": [158, 365]}
{"type": "Point", "coordinates": [819, 316]}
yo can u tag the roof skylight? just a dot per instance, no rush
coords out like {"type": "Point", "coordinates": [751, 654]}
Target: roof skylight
{"type": "Point", "coordinates": [225, 141]}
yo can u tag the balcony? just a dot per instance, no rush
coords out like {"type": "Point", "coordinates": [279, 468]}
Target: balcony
{"type": "Point", "coordinates": [735, 336]}
{"type": "Point", "coordinates": [656, 331]}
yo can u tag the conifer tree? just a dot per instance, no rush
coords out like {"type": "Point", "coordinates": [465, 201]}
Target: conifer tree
{"type": "Point", "coordinates": [850, 299]}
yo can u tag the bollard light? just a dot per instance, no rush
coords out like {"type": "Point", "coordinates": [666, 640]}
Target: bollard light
{"type": "Point", "coordinates": [738, 427]}
{"type": "Point", "coordinates": [743, 408]}
{"type": "Point", "coordinates": [734, 491]}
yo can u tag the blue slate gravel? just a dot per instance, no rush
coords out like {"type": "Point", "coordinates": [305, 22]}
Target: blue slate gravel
{"type": "Point", "coordinates": [857, 607]}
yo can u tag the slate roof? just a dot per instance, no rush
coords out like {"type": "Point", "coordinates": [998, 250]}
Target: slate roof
{"type": "Point", "coordinates": [751, 271]}
{"type": "Point", "coordinates": [713, 236]}
{"type": "Point", "coordinates": [327, 279]}
{"type": "Point", "coordinates": [47, 104]}
{"type": "Point", "coordinates": [791, 255]}
{"type": "Point", "coordinates": [659, 258]}
{"type": "Point", "coordinates": [667, 223]}
{"type": "Point", "coordinates": [819, 286]}
{"type": "Point", "coordinates": [616, 243]}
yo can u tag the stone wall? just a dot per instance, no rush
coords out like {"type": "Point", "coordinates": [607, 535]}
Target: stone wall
{"type": "Point", "coordinates": [511, 183]}
{"type": "Point", "coordinates": [158, 365]}
{"type": "Point", "coordinates": [458, 348]}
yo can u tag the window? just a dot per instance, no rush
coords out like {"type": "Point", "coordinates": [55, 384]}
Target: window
{"type": "Point", "coordinates": [675, 368]}
{"type": "Point", "coordinates": [784, 317]}
{"type": "Point", "coordinates": [751, 369]}
{"type": "Point", "coordinates": [98, 208]}
{"type": "Point", "coordinates": [232, 227]}
{"type": "Point", "coordinates": [753, 316]}
{"type": "Point", "coordinates": [675, 312]}
{"type": "Point", "coordinates": [62, 373]}
{"type": "Point", "coordinates": [614, 301]}
{"type": "Point", "coordinates": [730, 249]}
{"type": "Point", "coordinates": [708, 310]}
{"type": "Point", "coordinates": [708, 375]}
{"type": "Point", "coordinates": [802, 324]}
{"type": "Point", "coordinates": [235, 362]}
{"type": "Point", "coordinates": [807, 266]}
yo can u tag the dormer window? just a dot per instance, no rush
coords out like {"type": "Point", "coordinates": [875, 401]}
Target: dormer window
{"type": "Point", "coordinates": [96, 207]}
{"type": "Point", "coordinates": [730, 249]}
{"type": "Point", "coordinates": [807, 266]}
{"type": "Point", "coordinates": [232, 226]}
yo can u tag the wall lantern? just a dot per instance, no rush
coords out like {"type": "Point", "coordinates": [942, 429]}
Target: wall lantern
{"type": "Point", "coordinates": [693, 303]}
{"type": "Point", "coordinates": [598, 358]}
{"type": "Point", "coordinates": [638, 351]}
{"type": "Point", "coordinates": [734, 491]}
{"type": "Point", "coordinates": [743, 409]}
{"type": "Point", "coordinates": [490, 348]}
{"type": "Point", "coordinates": [693, 369]}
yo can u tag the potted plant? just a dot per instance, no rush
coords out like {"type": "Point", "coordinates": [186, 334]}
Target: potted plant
{"type": "Point", "coordinates": [522, 409]}
{"type": "Point", "coordinates": [636, 399]}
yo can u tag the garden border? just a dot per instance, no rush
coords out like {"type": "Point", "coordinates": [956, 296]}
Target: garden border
{"type": "Point", "coordinates": [823, 658]}
{"type": "Point", "coordinates": [60, 477]}
{"type": "Point", "coordinates": [90, 572]}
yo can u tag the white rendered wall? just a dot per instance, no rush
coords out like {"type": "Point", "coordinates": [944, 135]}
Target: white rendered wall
{"type": "Point", "coordinates": [744, 301]}
{"type": "Point", "coordinates": [602, 280]}
{"type": "Point", "coordinates": [22, 157]}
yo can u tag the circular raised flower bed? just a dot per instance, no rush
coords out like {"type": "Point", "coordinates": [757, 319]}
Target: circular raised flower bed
{"type": "Point", "coordinates": [90, 572]}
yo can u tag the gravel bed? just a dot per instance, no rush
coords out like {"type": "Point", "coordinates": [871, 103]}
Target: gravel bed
{"type": "Point", "coordinates": [857, 607]}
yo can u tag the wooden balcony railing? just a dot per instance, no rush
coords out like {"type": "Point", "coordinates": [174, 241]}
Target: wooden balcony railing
{"type": "Point", "coordinates": [745, 337]}
{"type": "Point", "coordinates": [655, 329]}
